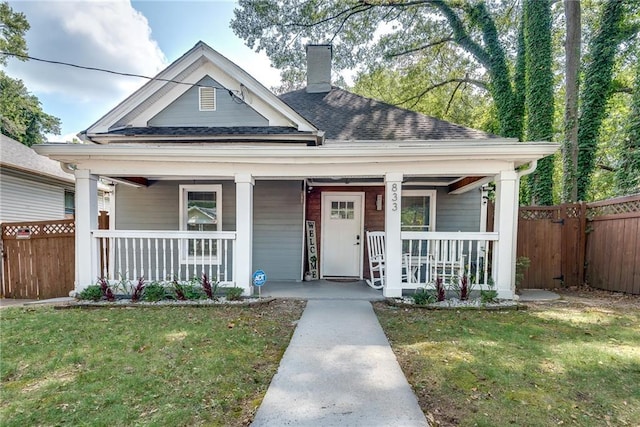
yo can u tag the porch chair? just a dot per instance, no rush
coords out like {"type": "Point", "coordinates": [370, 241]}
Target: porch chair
{"type": "Point", "coordinates": [376, 249]}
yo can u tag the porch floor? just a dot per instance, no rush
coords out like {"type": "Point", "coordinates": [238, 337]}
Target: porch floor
{"type": "Point", "coordinates": [321, 289]}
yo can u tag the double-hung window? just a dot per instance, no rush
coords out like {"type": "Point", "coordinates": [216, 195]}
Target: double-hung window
{"type": "Point", "coordinates": [418, 210]}
{"type": "Point", "coordinates": [201, 211]}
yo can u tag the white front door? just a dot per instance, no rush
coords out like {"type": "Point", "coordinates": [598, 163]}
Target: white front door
{"type": "Point", "coordinates": [342, 240]}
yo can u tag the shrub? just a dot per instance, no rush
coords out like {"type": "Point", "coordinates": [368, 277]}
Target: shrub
{"type": "Point", "coordinates": [488, 296]}
{"type": "Point", "coordinates": [522, 264]}
{"type": "Point", "coordinates": [440, 291]}
{"type": "Point", "coordinates": [91, 293]}
{"type": "Point", "coordinates": [154, 292]}
{"type": "Point", "coordinates": [234, 293]}
{"type": "Point", "coordinates": [187, 291]}
{"type": "Point", "coordinates": [464, 288]}
{"type": "Point", "coordinates": [136, 291]}
{"type": "Point", "coordinates": [107, 293]}
{"type": "Point", "coordinates": [423, 297]}
{"type": "Point", "coordinates": [209, 287]}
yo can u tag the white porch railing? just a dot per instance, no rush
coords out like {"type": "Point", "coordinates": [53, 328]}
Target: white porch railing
{"type": "Point", "coordinates": [164, 255]}
{"type": "Point", "coordinates": [428, 255]}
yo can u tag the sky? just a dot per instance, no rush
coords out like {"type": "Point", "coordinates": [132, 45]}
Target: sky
{"type": "Point", "coordinates": [140, 37]}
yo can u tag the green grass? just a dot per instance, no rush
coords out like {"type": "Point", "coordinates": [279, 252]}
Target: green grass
{"type": "Point", "coordinates": [145, 366]}
{"type": "Point", "coordinates": [542, 367]}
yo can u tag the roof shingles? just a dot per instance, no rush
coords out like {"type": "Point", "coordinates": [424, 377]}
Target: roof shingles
{"type": "Point", "coordinates": [346, 116]}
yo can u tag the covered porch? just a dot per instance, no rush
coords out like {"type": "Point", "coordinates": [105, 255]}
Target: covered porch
{"type": "Point", "coordinates": [226, 254]}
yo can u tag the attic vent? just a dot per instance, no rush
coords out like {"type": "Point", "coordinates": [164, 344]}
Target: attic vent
{"type": "Point", "coordinates": [207, 99]}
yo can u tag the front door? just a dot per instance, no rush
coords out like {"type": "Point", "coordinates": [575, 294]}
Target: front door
{"type": "Point", "coordinates": [341, 235]}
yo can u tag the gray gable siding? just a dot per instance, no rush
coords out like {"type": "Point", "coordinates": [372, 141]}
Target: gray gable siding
{"type": "Point", "coordinates": [185, 111]}
{"type": "Point", "coordinates": [457, 212]}
{"type": "Point", "coordinates": [278, 229]}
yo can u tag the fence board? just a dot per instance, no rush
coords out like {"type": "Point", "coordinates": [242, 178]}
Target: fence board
{"type": "Point", "coordinates": [42, 265]}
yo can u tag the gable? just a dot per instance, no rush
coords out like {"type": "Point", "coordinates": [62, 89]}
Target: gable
{"type": "Point", "coordinates": [229, 111]}
{"type": "Point", "coordinates": [163, 100]}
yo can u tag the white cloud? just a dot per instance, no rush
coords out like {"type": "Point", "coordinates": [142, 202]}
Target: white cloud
{"type": "Point", "coordinates": [110, 35]}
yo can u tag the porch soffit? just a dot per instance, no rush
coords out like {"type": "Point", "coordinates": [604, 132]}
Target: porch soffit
{"type": "Point", "coordinates": [194, 65]}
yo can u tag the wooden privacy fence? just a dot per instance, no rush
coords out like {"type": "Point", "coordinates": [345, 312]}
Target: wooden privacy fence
{"type": "Point", "coordinates": [38, 259]}
{"type": "Point", "coordinates": [572, 244]}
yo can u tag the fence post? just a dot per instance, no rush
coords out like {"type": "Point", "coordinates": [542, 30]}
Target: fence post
{"type": "Point", "coordinates": [582, 243]}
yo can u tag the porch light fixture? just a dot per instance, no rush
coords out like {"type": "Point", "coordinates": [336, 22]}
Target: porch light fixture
{"type": "Point", "coordinates": [379, 202]}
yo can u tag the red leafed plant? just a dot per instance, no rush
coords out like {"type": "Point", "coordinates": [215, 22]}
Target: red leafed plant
{"type": "Point", "coordinates": [107, 293]}
{"type": "Point", "coordinates": [136, 292]}
{"type": "Point", "coordinates": [464, 288]}
{"type": "Point", "coordinates": [179, 290]}
{"type": "Point", "coordinates": [208, 287]}
{"type": "Point", "coordinates": [440, 289]}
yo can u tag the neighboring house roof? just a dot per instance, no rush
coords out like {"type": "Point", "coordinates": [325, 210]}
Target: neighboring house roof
{"type": "Point", "coordinates": [346, 116]}
{"type": "Point", "coordinates": [18, 156]}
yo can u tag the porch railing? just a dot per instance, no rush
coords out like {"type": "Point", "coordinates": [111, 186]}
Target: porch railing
{"type": "Point", "coordinates": [449, 256]}
{"type": "Point", "coordinates": [165, 255]}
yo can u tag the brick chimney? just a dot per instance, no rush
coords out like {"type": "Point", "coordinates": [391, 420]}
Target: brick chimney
{"type": "Point", "coordinates": [319, 68]}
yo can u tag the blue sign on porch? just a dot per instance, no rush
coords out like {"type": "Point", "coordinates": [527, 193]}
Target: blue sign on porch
{"type": "Point", "coordinates": [259, 278]}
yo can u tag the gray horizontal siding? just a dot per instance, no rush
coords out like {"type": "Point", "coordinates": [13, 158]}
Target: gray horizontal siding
{"type": "Point", "coordinates": [28, 199]}
{"type": "Point", "coordinates": [278, 229]}
{"type": "Point", "coordinates": [458, 212]}
{"type": "Point", "coordinates": [157, 207]}
{"type": "Point", "coordinates": [185, 110]}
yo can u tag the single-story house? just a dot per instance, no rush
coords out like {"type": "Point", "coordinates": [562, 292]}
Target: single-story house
{"type": "Point", "coordinates": [274, 176]}
{"type": "Point", "coordinates": [35, 188]}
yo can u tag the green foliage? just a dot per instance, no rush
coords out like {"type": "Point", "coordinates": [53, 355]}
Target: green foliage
{"type": "Point", "coordinates": [628, 173]}
{"type": "Point", "coordinates": [422, 296]}
{"type": "Point", "coordinates": [13, 26]}
{"type": "Point", "coordinates": [21, 115]}
{"type": "Point", "coordinates": [539, 93]}
{"type": "Point", "coordinates": [154, 292]}
{"type": "Point", "coordinates": [488, 296]}
{"type": "Point", "coordinates": [187, 291]}
{"type": "Point", "coordinates": [522, 264]}
{"type": "Point", "coordinates": [597, 89]}
{"type": "Point", "coordinates": [91, 293]}
{"type": "Point", "coordinates": [234, 293]}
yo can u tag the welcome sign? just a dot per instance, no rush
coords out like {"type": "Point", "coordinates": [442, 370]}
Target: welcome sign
{"type": "Point", "coordinates": [312, 250]}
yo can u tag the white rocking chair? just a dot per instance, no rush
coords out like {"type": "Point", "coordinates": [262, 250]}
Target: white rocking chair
{"type": "Point", "coordinates": [376, 250]}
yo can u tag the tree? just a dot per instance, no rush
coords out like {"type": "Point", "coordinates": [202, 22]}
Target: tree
{"type": "Point", "coordinates": [21, 114]}
{"type": "Point", "coordinates": [539, 93]}
{"type": "Point", "coordinates": [13, 26]}
{"type": "Point", "coordinates": [572, 46]}
{"type": "Point", "coordinates": [628, 173]}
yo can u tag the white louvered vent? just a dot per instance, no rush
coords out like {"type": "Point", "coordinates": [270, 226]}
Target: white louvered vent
{"type": "Point", "coordinates": [207, 99]}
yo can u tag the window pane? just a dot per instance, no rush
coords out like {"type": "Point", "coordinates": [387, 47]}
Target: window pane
{"type": "Point", "coordinates": [69, 203]}
{"type": "Point", "coordinates": [415, 213]}
{"type": "Point", "coordinates": [202, 211]}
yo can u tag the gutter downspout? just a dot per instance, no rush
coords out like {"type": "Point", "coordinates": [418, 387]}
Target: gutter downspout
{"type": "Point", "coordinates": [524, 172]}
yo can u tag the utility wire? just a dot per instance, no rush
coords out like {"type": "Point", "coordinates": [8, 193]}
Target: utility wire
{"type": "Point", "coordinates": [233, 93]}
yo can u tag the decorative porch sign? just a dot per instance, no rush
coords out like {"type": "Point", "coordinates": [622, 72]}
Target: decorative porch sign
{"type": "Point", "coordinates": [312, 250]}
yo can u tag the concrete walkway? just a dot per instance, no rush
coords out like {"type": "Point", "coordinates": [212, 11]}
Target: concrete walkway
{"type": "Point", "coordinates": [537, 295]}
{"type": "Point", "coordinates": [339, 370]}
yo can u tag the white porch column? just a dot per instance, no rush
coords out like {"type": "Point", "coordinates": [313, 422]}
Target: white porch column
{"type": "Point", "coordinates": [504, 262]}
{"type": "Point", "coordinates": [393, 240]}
{"type": "Point", "coordinates": [86, 220]}
{"type": "Point", "coordinates": [243, 261]}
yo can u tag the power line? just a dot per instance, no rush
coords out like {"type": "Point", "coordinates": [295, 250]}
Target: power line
{"type": "Point", "coordinates": [233, 93]}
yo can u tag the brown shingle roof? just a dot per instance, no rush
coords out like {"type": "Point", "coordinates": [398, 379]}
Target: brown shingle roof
{"type": "Point", "coordinates": [346, 116]}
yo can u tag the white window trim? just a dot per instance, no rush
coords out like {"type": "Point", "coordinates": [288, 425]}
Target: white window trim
{"type": "Point", "coordinates": [184, 190]}
{"type": "Point", "coordinates": [215, 98]}
{"type": "Point", "coordinates": [432, 203]}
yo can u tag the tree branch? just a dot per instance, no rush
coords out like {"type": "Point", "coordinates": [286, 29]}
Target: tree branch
{"type": "Point", "coordinates": [360, 7]}
{"type": "Point", "coordinates": [417, 97]}
{"type": "Point", "coordinates": [453, 94]}
{"type": "Point", "coordinates": [423, 47]}
{"type": "Point", "coordinates": [606, 167]}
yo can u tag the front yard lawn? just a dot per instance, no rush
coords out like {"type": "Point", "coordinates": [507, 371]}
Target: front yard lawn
{"type": "Point", "coordinates": [144, 366]}
{"type": "Point", "coordinates": [560, 364]}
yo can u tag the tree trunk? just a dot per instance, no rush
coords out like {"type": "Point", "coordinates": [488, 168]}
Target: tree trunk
{"type": "Point", "coordinates": [572, 50]}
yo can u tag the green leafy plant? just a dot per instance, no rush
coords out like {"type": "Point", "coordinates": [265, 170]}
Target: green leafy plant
{"type": "Point", "coordinates": [522, 264]}
{"type": "Point", "coordinates": [488, 296]}
{"type": "Point", "coordinates": [107, 292]}
{"type": "Point", "coordinates": [187, 291]}
{"type": "Point", "coordinates": [423, 297]}
{"type": "Point", "coordinates": [154, 291]}
{"type": "Point", "coordinates": [91, 293]}
{"type": "Point", "coordinates": [234, 293]}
